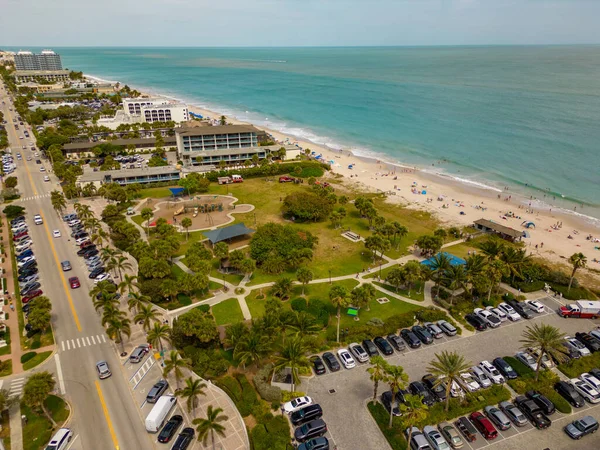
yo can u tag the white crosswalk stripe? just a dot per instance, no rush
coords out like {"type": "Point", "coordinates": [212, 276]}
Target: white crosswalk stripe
{"type": "Point", "coordinates": [16, 386]}
{"type": "Point", "coordinates": [34, 197]}
{"type": "Point", "coordinates": [87, 341]}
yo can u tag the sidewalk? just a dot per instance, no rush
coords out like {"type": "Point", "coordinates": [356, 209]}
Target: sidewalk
{"type": "Point", "coordinates": [13, 318]}
{"type": "Point", "coordinates": [16, 427]}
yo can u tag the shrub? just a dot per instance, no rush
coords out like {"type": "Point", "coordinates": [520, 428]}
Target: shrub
{"type": "Point", "coordinates": [263, 385]}
{"type": "Point", "coordinates": [272, 169]}
{"type": "Point", "coordinates": [529, 286]}
{"type": "Point", "coordinates": [576, 293]}
{"type": "Point", "coordinates": [262, 412]}
{"type": "Point", "coordinates": [204, 308]}
{"type": "Point", "coordinates": [299, 304]}
{"type": "Point", "coordinates": [35, 345]}
{"type": "Point", "coordinates": [273, 434]}
{"type": "Point", "coordinates": [27, 357]}
{"type": "Point", "coordinates": [520, 368]}
{"type": "Point", "coordinates": [241, 392]}
{"type": "Point", "coordinates": [382, 417]}
{"type": "Point", "coordinates": [545, 385]}
{"type": "Point", "coordinates": [287, 396]}
{"type": "Point", "coordinates": [576, 367]}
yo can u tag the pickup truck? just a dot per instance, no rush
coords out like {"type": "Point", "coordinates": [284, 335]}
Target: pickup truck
{"type": "Point", "coordinates": [533, 412]}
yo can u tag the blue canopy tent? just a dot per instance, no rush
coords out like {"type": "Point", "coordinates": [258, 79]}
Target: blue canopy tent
{"type": "Point", "coordinates": [176, 192]}
{"type": "Point", "coordinates": [196, 116]}
{"type": "Point", "coordinates": [454, 260]}
{"type": "Point", "coordinates": [528, 224]}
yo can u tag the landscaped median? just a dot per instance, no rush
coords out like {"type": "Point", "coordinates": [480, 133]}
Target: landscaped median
{"type": "Point", "coordinates": [576, 367]}
{"type": "Point", "coordinates": [37, 429]}
{"type": "Point", "coordinates": [436, 414]}
{"type": "Point", "coordinates": [32, 359]}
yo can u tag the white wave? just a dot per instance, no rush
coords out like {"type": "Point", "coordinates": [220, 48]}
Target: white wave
{"type": "Point", "coordinates": [474, 183]}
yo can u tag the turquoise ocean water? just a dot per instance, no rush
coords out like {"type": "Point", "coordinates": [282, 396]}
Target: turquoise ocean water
{"type": "Point", "coordinates": [526, 117]}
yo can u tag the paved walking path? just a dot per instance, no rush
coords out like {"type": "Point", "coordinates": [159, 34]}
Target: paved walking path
{"type": "Point", "coordinates": [16, 427]}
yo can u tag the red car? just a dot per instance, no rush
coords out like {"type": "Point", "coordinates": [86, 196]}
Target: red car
{"type": "Point", "coordinates": [86, 244]}
{"type": "Point", "coordinates": [74, 282]}
{"type": "Point", "coordinates": [484, 425]}
{"type": "Point", "coordinates": [31, 296]}
{"type": "Point", "coordinates": [19, 235]}
{"type": "Point", "coordinates": [285, 179]}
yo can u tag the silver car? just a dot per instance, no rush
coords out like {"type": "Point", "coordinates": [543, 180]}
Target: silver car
{"type": "Point", "coordinates": [527, 359]}
{"type": "Point", "coordinates": [447, 327]}
{"type": "Point", "coordinates": [435, 438]}
{"type": "Point", "coordinates": [359, 352]}
{"type": "Point", "coordinates": [497, 417]}
{"type": "Point", "coordinates": [103, 370]}
{"type": "Point", "coordinates": [514, 414]}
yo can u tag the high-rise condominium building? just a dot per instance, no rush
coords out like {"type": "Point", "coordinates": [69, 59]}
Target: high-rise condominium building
{"type": "Point", "coordinates": [46, 60]}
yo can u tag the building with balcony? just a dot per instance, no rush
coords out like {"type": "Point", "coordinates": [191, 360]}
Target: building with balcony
{"type": "Point", "coordinates": [134, 106]}
{"type": "Point", "coordinates": [141, 145]}
{"type": "Point", "coordinates": [46, 60]}
{"type": "Point", "coordinates": [164, 113]}
{"type": "Point", "coordinates": [32, 76]}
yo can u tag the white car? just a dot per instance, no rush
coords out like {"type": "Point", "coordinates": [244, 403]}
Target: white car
{"type": "Point", "coordinates": [297, 404]}
{"type": "Point", "coordinates": [81, 240]}
{"type": "Point", "coordinates": [435, 438]}
{"type": "Point", "coordinates": [591, 379]}
{"type": "Point", "coordinates": [536, 306]}
{"type": "Point", "coordinates": [468, 382]}
{"type": "Point", "coordinates": [509, 311]}
{"type": "Point", "coordinates": [22, 247]}
{"type": "Point", "coordinates": [574, 344]}
{"type": "Point", "coordinates": [359, 352]}
{"type": "Point", "coordinates": [42, 169]}
{"type": "Point", "coordinates": [346, 358]}
{"type": "Point", "coordinates": [26, 260]}
{"type": "Point", "coordinates": [491, 372]}
{"type": "Point", "coordinates": [481, 377]}
{"type": "Point", "coordinates": [488, 317]}
{"type": "Point", "coordinates": [73, 222]}
{"type": "Point", "coordinates": [586, 390]}
{"type": "Point", "coordinates": [527, 359]}
{"type": "Point", "coordinates": [546, 362]}
{"type": "Point", "coordinates": [102, 277]}
{"type": "Point", "coordinates": [498, 313]}
{"type": "Point", "coordinates": [56, 233]}
{"type": "Point", "coordinates": [46, 178]}
{"type": "Point", "coordinates": [37, 219]}
{"type": "Point", "coordinates": [455, 389]}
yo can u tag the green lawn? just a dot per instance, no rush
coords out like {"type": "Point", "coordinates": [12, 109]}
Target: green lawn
{"type": "Point", "coordinates": [6, 350]}
{"type": "Point", "coordinates": [36, 360]}
{"type": "Point", "coordinates": [38, 430]}
{"type": "Point", "coordinates": [177, 271]}
{"type": "Point", "coordinates": [5, 429]}
{"type": "Point", "coordinates": [416, 293]}
{"type": "Point", "coordinates": [227, 312]}
{"type": "Point", "coordinates": [6, 368]}
{"type": "Point", "coordinates": [159, 192]}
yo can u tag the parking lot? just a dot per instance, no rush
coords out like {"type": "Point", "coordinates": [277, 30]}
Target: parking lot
{"type": "Point", "coordinates": [344, 394]}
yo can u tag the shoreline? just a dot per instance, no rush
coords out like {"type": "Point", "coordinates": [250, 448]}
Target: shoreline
{"type": "Point", "coordinates": [476, 200]}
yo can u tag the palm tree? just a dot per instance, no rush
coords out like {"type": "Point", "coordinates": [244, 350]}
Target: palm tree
{"type": "Point", "coordinates": [157, 334]}
{"type": "Point", "coordinates": [84, 212]}
{"type": "Point", "coordinates": [104, 301]}
{"type": "Point", "coordinates": [303, 324]}
{"type": "Point", "coordinates": [251, 348]}
{"type": "Point", "coordinates": [548, 340]}
{"type": "Point", "coordinates": [456, 277]}
{"type": "Point", "coordinates": [106, 253]}
{"type": "Point", "coordinates": [292, 355]}
{"type": "Point", "coordinates": [91, 224]}
{"type": "Point", "coordinates": [135, 300]}
{"type": "Point", "coordinates": [399, 232]}
{"type": "Point", "coordinates": [119, 263]}
{"type": "Point", "coordinates": [118, 324]}
{"type": "Point", "coordinates": [338, 295]}
{"type": "Point", "coordinates": [377, 372]}
{"type": "Point", "coordinates": [446, 367]}
{"type": "Point", "coordinates": [304, 276]}
{"type": "Point", "coordinates": [186, 223]}
{"type": "Point", "coordinates": [439, 264]}
{"type": "Point", "coordinates": [175, 364]}
{"type": "Point", "coordinates": [59, 203]}
{"type": "Point", "coordinates": [412, 273]}
{"type": "Point", "coordinates": [495, 270]}
{"type": "Point", "coordinates": [147, 214]}
{"type": "Point", "coordinates": [128, 284]}
{"type": "Point", "coordinates": [475, 265]}
{"type": "Point", "coordinates": [492, 248]}
{"type": "Point", "coordinates": [397, 379]}
{"type": "Point", "coordinates": [234, 333]}
{"type": "Point", "coordinates": [192, 390]}
{"type": "Point", "coordinates": [577, 260]}
{"type": "Point", "coordinates": [514, 260]}
{"type": "Point", "coordinates": [413, 411]}
{"type": "Point", "coordinates": [210, 425]}
{"type": "Point", "coordinates": [104, 287]}
{"type": "Point", "coordinates": [395, 277]}
{"type": "Point", "coordinates": [99, 237]}
{"type": "Point", "coordinates": [282, 288]}
{"type": "Point", "coordinates": [147, 315]}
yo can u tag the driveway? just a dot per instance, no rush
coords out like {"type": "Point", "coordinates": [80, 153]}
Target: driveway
{"type": "Point", "coordinates": [349, 421]}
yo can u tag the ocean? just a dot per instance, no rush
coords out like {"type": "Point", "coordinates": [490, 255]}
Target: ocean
{"type": "Point", "coordinates": [524, 117]}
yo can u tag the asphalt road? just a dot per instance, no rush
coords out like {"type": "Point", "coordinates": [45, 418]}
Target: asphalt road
{"type": "Point", "coordinates": [352, 427]}
{"type": "Point", "coordinates": [105, 415]}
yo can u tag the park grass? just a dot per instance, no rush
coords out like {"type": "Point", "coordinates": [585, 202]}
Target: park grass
{"type": "Point", "coordinates": [177, 271]}
{"type": "Point", "coordinates": [417, 292]}
{"type": "Point", "coordinates": [6, 368]}
{"type": "Point", "coordinates": [159, 192]}
{"type": "Point", "coordinates": [227, 312]}
{"type": "Point", "coordinates": [6, 350]}
{"type": "Point", "coordinates": [5, 429]}
{"type": "Point", "coordinates": [38, 429]}
{"type": "Point", "coordinates": [36, 360]}
{"type": "Point", "coordinates": [139, 220]}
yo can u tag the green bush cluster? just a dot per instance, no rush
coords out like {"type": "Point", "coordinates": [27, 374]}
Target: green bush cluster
{"type": "Point", "coordinates": [263, 386]}
{"type": "Point", "coordinates": [576, 367]}
{"type": "Point", "coordinates": [520, 368]}
{"type": "Point", "coordinates": [317, 169]}
{"type": "Point", "coordinates": [544, 385]}
{"type": "Point", "coordinates": [273, 434]}
{"type": "Point", "coordinates": [241, 392]}
{"type": "Point", "coordinates": [393, 435]}
{"type": "Point", "coordinates": [299, 304]}
{"type": "Point", "coordinates": [530, 286]}
{"type": "Point", "coordinates": [207, 363]}
{"type": "Point", "coordinates": [576, 293]}
{"type": "Point", "coordinates": [27, 357]}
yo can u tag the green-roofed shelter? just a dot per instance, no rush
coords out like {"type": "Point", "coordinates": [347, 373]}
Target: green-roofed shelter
{"type": "Point", "coordinates": [226, 233]}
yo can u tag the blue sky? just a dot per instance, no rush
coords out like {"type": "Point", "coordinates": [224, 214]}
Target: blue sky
{"type": "Point", "coordinates": [201, 23]}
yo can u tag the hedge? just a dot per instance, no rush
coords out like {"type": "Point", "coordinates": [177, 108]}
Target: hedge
{"type": "Point", "coordinates": [274, 434]}
{"type": "Point", "coordinates": [576, 367]}
{"type": "Point", "coordinates": [576, 293]}
{"type": "Point", "coordinates": [520, 368]}
{"type": "Point", "coordinates": [263, 385]}
{"type": "Point", "coordinates": [545, 385]}
{"type": "Point", "coordinates": [241, 392]}
{"type": "Point", "coordinates": [313, 168]}
{"type": "Point", "coordinates": [393, 435]}
{"type": "Point", "coordinates": [529, 286]}
{"type": "Point", "coordinates": [27, 356]}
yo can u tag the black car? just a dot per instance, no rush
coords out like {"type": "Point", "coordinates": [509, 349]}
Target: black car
{"type": "Point", "coordinates": [386, 401]}
{"type": "Point", "coordinates": [418, 388]}
{"type": "Point", "coordinates": [569, 393]}
{"type": "Point", "coordinates": [306, 414]}
{"type": "Point", "coordinates": [523, 310]}
{"type": "Point", "coordinates": [383, 345]}
{"type": "Point", "coordinates": [27, 265]}
{"type": "Point", "coordinates": [79, 234]}
{"type": "Point", "coordinates": [370, 348]}
{"type": "Point", "coordinates": [28, 273]}
{"type": "Point", "coordinates": [320, 443]}
{"type": "Point", "coordinates": [422, 333]}
{"type": "Point", "coordinates": [396, 342]}
{"type": "Point", "coordinates": [439, 392]}
{"type": "Point", "coordinates": [91, 253]}
{"type": "Point", "coordinates": [546, 405]}
{"type": "Point", "coordinates": [170, 428]}
{"type": "Point", "coordinates": [94, 273]}
{"type": "Point", "coordinates": [476, 321]}
{"type": "Point", "coordinates": [533, 412]}
{"type": "Point", "coordinates": [318, 365]}
{"type": "Point", "coordinates": [411, 338]}
{"type": "Point", "coordinates": [595, 372]}
{"type": "Point", "coordinates": [504, 368]}
{"type": "Point", "coordinates": [17, 220]}
{"type": "Point", "coordinates": [331, 361]}
{"type": "Point", "coordinates": [590, 342]}
{"type": "Point", "coordinates": [184, 439]}
{"type": "Point", "coordinates": [571, 352]}
{"type": "Point", "coordinates": [310, 430]}
{"type": "Point", "coordinates": [84, 250]}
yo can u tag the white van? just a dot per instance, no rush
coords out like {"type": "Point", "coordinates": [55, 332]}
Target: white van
{"type": "Point", "coordinates": [60, 440]}
{"type": "Point", "coordinates": [160, 411]}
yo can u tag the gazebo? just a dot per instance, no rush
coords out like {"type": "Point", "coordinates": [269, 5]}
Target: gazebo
{"type": "Point", "coordinates": [226, 233]}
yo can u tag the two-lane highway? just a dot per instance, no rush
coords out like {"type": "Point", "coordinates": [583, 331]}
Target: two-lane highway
{"type": "Point", "coordinates": [105, 415]}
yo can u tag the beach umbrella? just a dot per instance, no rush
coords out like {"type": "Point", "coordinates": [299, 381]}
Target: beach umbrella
{"type": "Point", "coordinates": [526, 234]}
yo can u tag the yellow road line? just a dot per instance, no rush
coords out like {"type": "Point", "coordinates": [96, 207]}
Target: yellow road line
{"type": "Point", "coordinates": [64, 281]}
{"type": "Point", "coordinates": [107, 416]}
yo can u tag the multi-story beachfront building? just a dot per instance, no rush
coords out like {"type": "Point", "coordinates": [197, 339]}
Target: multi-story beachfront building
{"type": "Point", "coordinates": [154, 110]}
{"type": "Point", "coordinates": [32, 76]}
{"type": "Point", "coordinates": [133, 106]}
{"type": "Point", "coordinates": [47, 60]}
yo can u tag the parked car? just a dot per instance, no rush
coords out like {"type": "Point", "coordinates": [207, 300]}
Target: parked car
{"type": "Point", "coordinates": [535, 305]}
{"type": "Point", "coordinates": [533, 412]}
{"type": "Point", "coordinates": [483, 425]}
{"type": "Point", "coordinates": [451, 435]}
{"type": "Point", "coordinates": [498, 418]}
{"type": "Point", "coordinates": [513, 413]}
{"type": "Point", "coordinates": [522, 308]}
{"type": "Point", "coordinates": [504, 368]}
{"type": "Point", "coordinates": [27, 298]}
{"type": "Point", "coordinates": [509, 311]}
{"type": "Point", "coordinates": [546, 362]}
{"type": "Point", "coordinates": [389, 403]}
{"type": "Point", "coordinates": [346, 358]}
{"type": "Point", "coordinates": [498, 313]}
{"type": "Point", "coordinates": [438, 390]}
{"type": "Point", "coordinates": [577, 345]}
{"type": "Point", "coordinates": [358, 352]}
{"type": "Point", "coordinates": [546, 405]}
{"type": "Point", "coordinates": [491, 371]}
{"type": "Point", "coordinates": [418, 441]}
{"type": "Point", "coordinates": [184, 439]}
{"type": "Point", "coordinates": [156, 391]}
{"type": "Point", "coordinates": [318, 443]}
{"type": "Point", "coordinates": [370, 347]}
{"type": "Point", "coordinates": [318, 365]}
{"type": "Point", "coordinates": [586, 390]}
{"type": "Point", "coordinates": [591, 379]}
{"type": "Point", "coordinates": [331, 362]}
{"type": "Point", "coordinates": [579, 428]}
{"type": "Point", "coordinates": [410, 338]}
{"type": "Point", "coordinates": [312, 429]}
{"type": "Point", "coordinates": [435, 438]}
{"type": "Point", "coordinates": [475, 321]}
{"type": "Point", "coordinates": [418, 388]}
{"type": "Point", "coordinates": [383, 345]}
{"type": "Point", "coordinates": [591, 343]}
{"type": "Point", "coordinates": [467, 429]}
{"type": "Point", "coordinates": [481, 377]}
{"type": "Point", "coordinates": [527, 359]}
{"type": "Point", "coordinates": [31, 287]}
{"type": "Point", "coordinates": [447, 327]}
{"type": "Point", "coordinates": [83, 251]}
{"type": "Point", "coordinates": [434, 330]}
{"type": "Point", "coordinates": [296, 404]}
{"type": "Point", "coordinates": [491, 320]}
{"type": "Point", "coordinates": [423, 335]}
{"type": "Point", "coordinates": [569, 393]}
{"type": "Point", "coordinates": [306, 414]}
{"type": "Point", "coordinates": [468, 382]}
{"type": "Point", "coordinates": [396, 342]}
{"type": "Point", "coordinates": [455, 389]}
{"type": "Point", "coordinates": [96, 272]}
{"type": "Point", "coordinates": [170, 429]}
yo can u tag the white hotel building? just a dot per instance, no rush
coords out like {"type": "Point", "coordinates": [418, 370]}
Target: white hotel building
{"type": "Point", "coordinates": [155, 110]}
